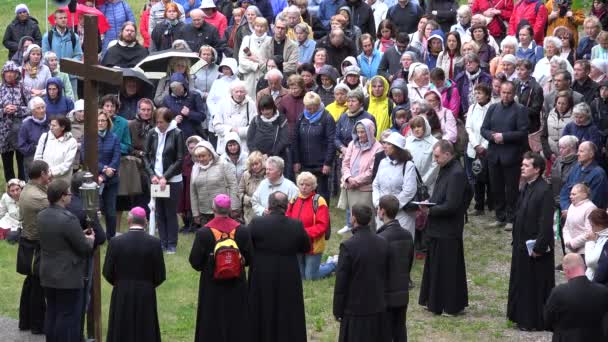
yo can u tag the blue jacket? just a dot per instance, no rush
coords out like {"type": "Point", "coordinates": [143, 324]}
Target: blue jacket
{"type": "Point", "coordinates": [313, 144]}
{"type": "Point", "coordinates": [584, 133]}
{"type": "Point", "coordinates": [117, 14]}
{"type": "Point", "coordinates": [595, 178]}
{"type": "Point", "coordinates": [583, 51]}
{"type": "Point", "coordinates": [109, 155]}
{"type": "Point", "coordinates": [29, 134]}
{"type": "Point", "coordinates": [62, 45]}
{"type": "Point", "coordinates": [533, 54]}
{"type": "Point", "coordinates": [369, 68]}
{"type": "Point", "coordinates": [328, 9]}
{"type": "Point", "coordinates": [187, 8]}
{"type": "Point", "coordinates": [278, 6]}
{"type": "Point", "coordinates": [62, 105]}
{"type": "Point", "coordinates": [344, 127]}
{"type": "Point", "coordinates": [191, 123]}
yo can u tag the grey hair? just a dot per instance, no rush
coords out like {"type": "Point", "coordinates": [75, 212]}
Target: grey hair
{"type": "Point", "coordinates": [562, 63]}
{"type": "Point", "coordinates": [582, 108]}
{"type": "Point", "coordinates": [423, 105]}
{"type": "Point", "coordinates": [183, 43]}
{"type": "Point", "coordinates": [509, 40]}
{"type": "Point", "coordinates": [48, 55]}
{"type": "Point", "coordinates": [274, 72]}
{"type": "Point", "coordinates": [302, 27]}
{"type": "Point", "coordinates": [36, 100]}
{"type": "Point", "coordinates": [553, 40]}
{"type": "Point", "coordinates": [255, 9]}
{"type": "Point", "coordinates": [464, 9]}
{"type": "Point", "coordinates": [277, 162]}
{"type": "Point", "coordinates": [292, 9]}
{"type": "Point", "coordinates": [357, 94]}
{"type": "Point", "coordinates": [570, 141]}
{"type": "Point", "coordinates": [237, 84]}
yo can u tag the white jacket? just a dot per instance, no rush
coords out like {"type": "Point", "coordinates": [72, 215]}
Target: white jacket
{"type": "Point", "coordinates": [233, 115]}
{"type": "Point", "coordinates": [259, 200]}
{"type": "Point", "coordinates": [58, 153]}
{"type": "Point", "coordinates": [10, 216]}
{"type": "Point", "coordinates": [475, 117]}
{"type": "Point", "coordinates": [422, 156]}
{"type": "Point", "coordinates": [220, 88]}
{"type": "Point", "coordinates": [593, 251]}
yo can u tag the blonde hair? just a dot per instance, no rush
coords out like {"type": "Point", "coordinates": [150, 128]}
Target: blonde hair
{"type": "Point", "coordinates": [255, 156]}
{"type": "Point", "coordinates": [307, 177]}
{"type": "Point", "coordinates": [312, 99]}
{"type": "Point", "coordinates": [261, 21]}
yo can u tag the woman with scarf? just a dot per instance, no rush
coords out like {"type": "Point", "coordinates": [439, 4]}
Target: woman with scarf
{"type": "Point", "coordinates": [379, 105]}
{"type": "Point", "coordinates": [251, 65]}
{"type": "Point", "coordinates": [418, 81]}
{"type": "Point", "coordinates": [35, 73]}
{"type": "Point", "coordinates": [466, 81]}
{"type": "Point", "coordinates": [599, 9]}
{"type": "Point", "coordinates": [450, 56]}
{"type": "Point", "coordinates": [508, 46]}
{"type": "Point", "coordinates": [313, 148]}
{"type": "Point", "coordinates": [561, 13]}
{"type": "Point", "coordinates": [14, 97]}
{"type": "Point", "coordinates": [268, 132]}
{"type": "Point", "coordinates": [385, 36]}
{"type": "Point", "coordinates": [32, 128]}
{"type": "Point", "coordinates": [217, 93]}
{"type": "Point", "coordinates": [165, 32]}
{"type": "Point", "coordinates": [230, 33]}
{"type": "Point", "coordinates": [245, 28]}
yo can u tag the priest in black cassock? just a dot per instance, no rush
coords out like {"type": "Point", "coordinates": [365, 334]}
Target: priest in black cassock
{"type": "Point", "coordinates": [276, 298]}
{"type": "Point", "coordinates": [127, 52]}
{"type": "Point", "coordinates": [574, 310]}
{"type": "Point", "coordinates": [134, 265]}
{"type": "Point", "coordinates": [222, 303]}
{"type": "Point", "coordinates": [444, 279]}
{"type": "Point", "coordinates": [532, 274]}
{"type": "Point", "coordinates": [360, 290]}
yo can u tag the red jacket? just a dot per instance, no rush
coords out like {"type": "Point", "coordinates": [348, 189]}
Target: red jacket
{"type": "Point", "coordinates": [527, 10]}
{"type": "Point", "coordinates": [505, 7]}
{"type": "Point", "coordinates": [143, 27]}
{"type": "Point", "coordinates": [314, 224]}
{"type": "Point", "coordinates": [219, 21]}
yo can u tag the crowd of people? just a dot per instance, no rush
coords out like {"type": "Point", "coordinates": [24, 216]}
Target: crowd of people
{"type": "Point", "coordinates": [403, 112]}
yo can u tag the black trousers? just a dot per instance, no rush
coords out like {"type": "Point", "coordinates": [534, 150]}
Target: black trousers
{"type": "Point", "coordinates": [398, 329]}
{"type": "Point", "coordinates": [166, 216]}
{"type": "Point", "coordinates": [504, 183]}
{"type": "Point", "coordinates": [7, 163]}
{"type": "Point", "coordinates": [63, 314]}
{"type": "Point", "coordinates": [32, 306]}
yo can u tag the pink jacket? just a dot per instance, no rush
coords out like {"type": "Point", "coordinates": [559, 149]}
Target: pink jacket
{"type": "Point", "coordinates": [453, 103]}
{"type": "Point", "coordinates": [361, 156]}
{"type": "Point", "coordinates": [577, 225]}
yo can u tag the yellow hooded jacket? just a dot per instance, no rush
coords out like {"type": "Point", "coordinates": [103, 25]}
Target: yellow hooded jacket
{"type": "Point", "coordinates": [379, 106]}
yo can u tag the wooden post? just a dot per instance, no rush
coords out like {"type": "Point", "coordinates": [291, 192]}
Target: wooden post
{"type": "Point", "coordinates": [92, 73]}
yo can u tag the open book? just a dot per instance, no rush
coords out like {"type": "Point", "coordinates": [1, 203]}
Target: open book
{"type": "Point", "coordinates": [530, 246]}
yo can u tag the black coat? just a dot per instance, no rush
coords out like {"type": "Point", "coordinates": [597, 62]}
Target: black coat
{"type": "Point", "coordinates": [222, 304]}
{"type": "Point", "coordinates": [532, 278]}
{"type": "Point", "coordinates": [400, 257]}
{"type": "Point", "coordinates": [532, 98]}
{"type": "Point", "coordinates": [512, 121]}
{"type": "Point", "coordinates": [313, 145]}
{"type": "Point", "coordinates": [446, 219]}
{"type": "Point", "coordinates": [76, 207]}
{"type": "Point", "coordinates": [574, 311]}
{"type": "Point", "coordinates": [124, 57]}
{"type": "Point", "coordinates": [599, 114]}
{"type": "Point", "coordinates": [335, 55]}
{"type": "Point", "coordinates": [165, 34]}
{"type": "Point", "coordinates": [362, 17]}
{"type": "Point", "coordinates": [276, 300]}
{"type": "Point", "coordinates": [64, 249]}
{"type": "Point", "coordinates": [405, 18]}
{"type": "Point", "coordinates": [446, 12]}
{"type": "Point", "coordinates": [17, 30]}
{"type": "Point", "coordinates": [270, 138]}
{"type": "Point", "coordinates": [173, 154]}
{"type": "Point", "coordinates": [589, 89]}
{"type": "Point", "coordinates": [207, 34]}
{"type": "Point", "coordinates": [135, 267]}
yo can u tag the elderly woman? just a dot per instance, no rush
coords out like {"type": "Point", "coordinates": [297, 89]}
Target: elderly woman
{"type": "Point", "coordinates": [211, 176]}
{"type": "Point", "coordinates": [527, 48]}
{"type": "Point", "coordinates": [234, 154]}
{"type": "Point", "coordinates": [164, 153]}
{"type": "Point", "coordinates": [58, 148]}
{"type": "Point", "coordinates": [245, 28]}
{"type": "Point", "coordinates": [558, 118]}
{"type": "Point", "coordinates": [319, 58]}
{"type": "Point", "coordinates": [378, 104]}
{"type": "Point", "coordinates": [204, 77]}
{"type": "Point", "coordinates": [450, 56]}
{"type": "Point", "coordinates": [292, 106]}
{"type": "Point", "coordinates": [582, 126]}
{"type": "Point", "coordinates": [234, 115]}
{"type": "Point", "coordinates": [251, 63]}
{"type": "Point", "coordinates": [466, 81]}
{"type": "Point", "coordinates": [326, 80]}
{"type": "Point", "coordinates": [508, 65]}
{"type": "Point", "coordinates": [477, 149]}
{"type": "Point", "coordinates": [561, 167]}
{"type": "Point", "coordinates": [252, 177]}
{"type": "Point", "coordinates": [10, 216]}
{"type": "Point", "coordinates": [313, 145]}
{"type": "Point", "coordinates": [508, 46]}
{"type": "Point", "coordinates": [594, 246]}
{"type": "Point", "coordinates": [50, 60]}
{"type": "Point", "coordinates": [542, 70]}
{"type": "Point", "coordinates": [577, 225]}
{"type": "Point", "coordinates": [176, 65]}
{"type": "Point", "coordinates": [354, 113]}
{"type": "Point", "coordinates": [397, 176]}
{"type": "Point", "coordinates": [312, 209]}
{"type": "Point", "coordinates": [418, 81]}
{"type": "Point", "coordinates": [268, 132]}
{"type": "Point", "coordinates": [407, 59]}
{"type": "Point", "coordinates": [186, 105]}
{"type": "Point", "coordinates": [306, 45]}
{"type": "Point", "coordinates": [35, 73]}
{"type": "Point", "coordinates": [31, 130]}
{"type": "Point", "coordinates": [446, 117]}
{"type": "Point", "coordinates": [166, 32]}
{"type": "Point", "coordinates": [599, 70]}
{"type": "Point", "coordinates": [274, 181]}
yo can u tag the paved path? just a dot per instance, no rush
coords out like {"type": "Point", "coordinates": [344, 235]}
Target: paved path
{"type": "Point", "coordinates": [9, 332]}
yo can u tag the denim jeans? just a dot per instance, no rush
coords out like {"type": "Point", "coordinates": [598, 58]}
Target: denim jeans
{"type": "Point", "coordinates": [108, 201]}
{"type": "Point", "coordinates": [311, 267]}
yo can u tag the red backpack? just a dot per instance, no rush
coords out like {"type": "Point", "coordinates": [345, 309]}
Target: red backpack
{"type": "Point", "coordinates": [227, 256]}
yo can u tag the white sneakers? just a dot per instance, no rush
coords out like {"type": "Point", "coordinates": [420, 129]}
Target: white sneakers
{"type": "Point", "coordinates": [344, 230]}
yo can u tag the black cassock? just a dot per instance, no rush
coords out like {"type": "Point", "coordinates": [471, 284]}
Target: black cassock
{"type": "Point", "coordinates": [123, 56]}
{"type": "Point", "coordinates": [575, 310]}
{"type": "Point", "coordinates": [276, 299]}
{"type": "Point", "coordinates": [532, 278]}
{"type": "Point", "coordinates": [135, 266]}
{"type": "Point", "coordinates": [222, 304]}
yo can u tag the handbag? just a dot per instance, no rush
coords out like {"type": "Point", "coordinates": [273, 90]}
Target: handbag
{"type": "Point", "coordinates": [422, 192]}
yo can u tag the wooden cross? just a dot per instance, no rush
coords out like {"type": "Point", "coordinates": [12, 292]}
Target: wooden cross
{"type": "Point", "coordinates": [92, 74]}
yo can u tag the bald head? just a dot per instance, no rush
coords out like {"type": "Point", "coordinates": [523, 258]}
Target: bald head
{"type": "Point", "coordinates": [586, 152]}
{"type": "Point", "coordinates": [573, 265]}
{"type": "Point", "coordinates": [198, 17]}
{"type": "Point", "coordinates": [277, 202]}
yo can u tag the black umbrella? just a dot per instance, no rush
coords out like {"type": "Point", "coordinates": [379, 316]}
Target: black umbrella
{"type": "Point", "coordinates": [155, 65]}
{"type": "Point", "coordinates": [147, 85]}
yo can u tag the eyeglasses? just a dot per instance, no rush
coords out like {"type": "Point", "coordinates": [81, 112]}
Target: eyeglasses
{"type": "Point", "coordinates": [102, 120]}
{"type": "Point", "coordinates": [68, 194]}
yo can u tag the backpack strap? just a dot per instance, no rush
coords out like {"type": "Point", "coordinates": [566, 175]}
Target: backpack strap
{"type": "Point", "coordinates": [449, 94]}
{"type": "Point", "coordinates": [315, 202]}
{"type": "Point", "coordinates": [46, 138]}
{"type": "Point", "coordinates": [218, 235]}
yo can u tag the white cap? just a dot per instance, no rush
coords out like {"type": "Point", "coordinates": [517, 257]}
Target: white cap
{"type": "Point", "coordinates": [208, 4]}
{"type": "Point", "coordinates": [397, 140]}
{"type": "Point", "coordinates": [21, 7]}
